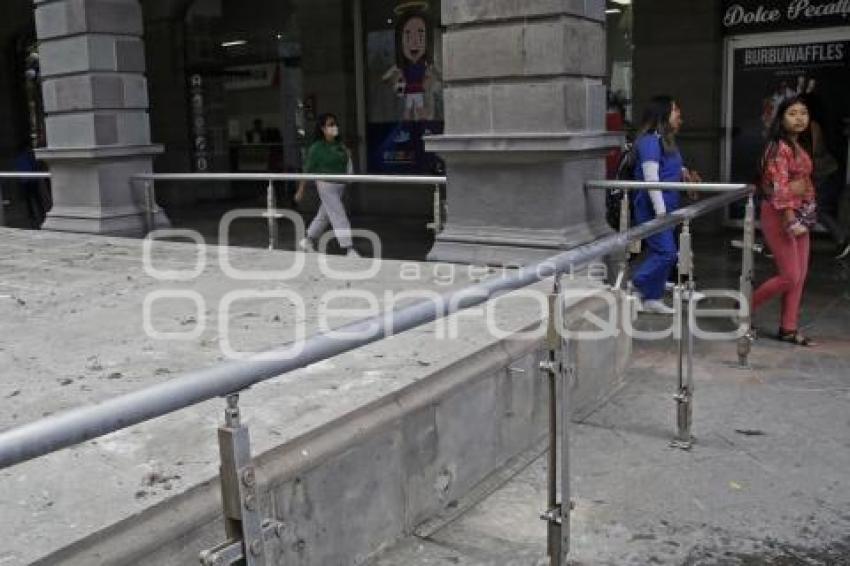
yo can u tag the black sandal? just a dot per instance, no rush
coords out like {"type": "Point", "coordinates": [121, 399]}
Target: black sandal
{"type": "Point", "coordinates": [794, 337]}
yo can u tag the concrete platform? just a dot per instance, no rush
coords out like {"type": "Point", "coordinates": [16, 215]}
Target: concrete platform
{"type": "Point", "coordinates": [71, 333]}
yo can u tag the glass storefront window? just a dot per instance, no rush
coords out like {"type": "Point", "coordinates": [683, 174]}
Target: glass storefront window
{"type": "Point", "coordinates": [244, 86]}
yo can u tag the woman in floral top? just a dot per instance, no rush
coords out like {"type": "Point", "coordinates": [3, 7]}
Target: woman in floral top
{"type": "Point", "coordinates": [787, 213]}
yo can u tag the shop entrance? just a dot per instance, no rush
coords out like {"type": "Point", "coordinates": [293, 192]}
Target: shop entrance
{"type": "Point", "coordinates": [763, 69]}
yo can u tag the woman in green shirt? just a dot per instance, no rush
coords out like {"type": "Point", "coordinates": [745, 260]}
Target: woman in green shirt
{"type": "Point", "coordinates": [328, 156]}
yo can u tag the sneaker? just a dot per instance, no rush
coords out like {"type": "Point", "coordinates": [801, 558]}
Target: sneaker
{"type": "Point", "coordinates": [352, 253]}
{"type": "Point", "coordinates": [656, 307]}
{"type": "Point", "coordinates": [843, 250]}
{"type": "Point", "coordinates": [306, 245]}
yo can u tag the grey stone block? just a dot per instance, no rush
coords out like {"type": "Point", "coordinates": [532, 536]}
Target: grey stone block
{"type": "Point", "coordinates": [90, 53]}
{"type": "Point", "coordinates": [468, 109]}
{"type": "Point", "coordinates": [105, 129]}
{"type": "Point", "coordinates": [475, 11]}
{"type": "Point", "coordinates": [97, 197]}
{"type": "Point", "coordinates": [535, 48]}
{"type": "Point", "coordinates": [595, 9]}
{"type": "Point", "coordinates": [129, 56]}
{"type": "Point", "coordinates": [114, 16]}
{"type": "Point", "coordinates": [519, 204]}
{"type": "Point", "coordinates": [559, 105]}
{"type": "Point", "coordinates": [51, 20]}
{"type": "Point", "coordinates": [72, 17]}
{"type": "Point", "coordinates": [90, 129]}
{"type": "Point", "coordinates": [93, 91]}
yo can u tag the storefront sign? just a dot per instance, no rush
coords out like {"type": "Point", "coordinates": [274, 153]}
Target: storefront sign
{"type": "Point", "coordinates": [252, 76]}
{"type": "Point", "coordinates": [749, 16]}
{"type": "Point", "coordinates": [200, 145]}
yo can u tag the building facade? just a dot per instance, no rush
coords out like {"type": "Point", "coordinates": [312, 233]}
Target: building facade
{"type": "Point", "coordinates": [236, 86]}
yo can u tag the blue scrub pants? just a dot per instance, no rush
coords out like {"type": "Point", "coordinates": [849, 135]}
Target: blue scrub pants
{"type": "Point", "coordinates": [662, 252]}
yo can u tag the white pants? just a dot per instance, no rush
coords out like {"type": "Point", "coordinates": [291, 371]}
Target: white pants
{"type": "Point", "coordinates": [332, 211]}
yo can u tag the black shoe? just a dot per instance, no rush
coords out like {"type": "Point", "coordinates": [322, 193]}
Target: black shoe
{"type": "Point", "coordinates": [843, 250]}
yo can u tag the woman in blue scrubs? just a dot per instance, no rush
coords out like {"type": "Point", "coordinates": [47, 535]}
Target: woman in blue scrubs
{"type": "Point", "coordinates": [657, 159]}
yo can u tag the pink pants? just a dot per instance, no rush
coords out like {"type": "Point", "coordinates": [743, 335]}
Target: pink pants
{"type": "Point", "coordinates": [791, 255]}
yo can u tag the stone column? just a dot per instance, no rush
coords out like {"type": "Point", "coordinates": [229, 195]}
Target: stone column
{"type": "Point", "coordinates": [96, 101]}
{"type": "Point", "coordinates": [525, 120]}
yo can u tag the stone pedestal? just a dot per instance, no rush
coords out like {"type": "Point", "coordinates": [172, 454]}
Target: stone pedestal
{"type": "Point", "coordinates": [525, 119]}
{"type": "Point", "coordinates": [96, 101]}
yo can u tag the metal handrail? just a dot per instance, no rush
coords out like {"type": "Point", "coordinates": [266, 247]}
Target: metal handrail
{"type": "Point", "coordinates": [25, 175]}
{"type": "Point", "coordinates": [272, 214]}
{"type": "Point", "coordinates": [666, 186]}
{"type": "Point", "coordinates": [353, 178]}
{"type": "Point", "coordinates": [86, 423]}
{"type": "Point", "coordinates": [686, 286]}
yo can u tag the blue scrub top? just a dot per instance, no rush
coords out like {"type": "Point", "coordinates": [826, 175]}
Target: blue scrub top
{"type": "Point", "coordinates": [649, 148]}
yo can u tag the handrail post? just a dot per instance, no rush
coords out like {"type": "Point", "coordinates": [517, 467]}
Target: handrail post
{"type": "Point", "coordinates": [746, 284]}
{"type": "Point", "coordinates": [438, 211]}
{"type": "Point", "coordinates": [2, 204]}
{"type": "Point", "coordinates": [683, 297]}
{"type": "Point", "coordinates": [271, 214]}
{"type": "Point", "coordinates": [247, 534]}
{"type": "Point", "coordinates": [557, 515]}
{"type": "Point", "coordinates": [150, 203]}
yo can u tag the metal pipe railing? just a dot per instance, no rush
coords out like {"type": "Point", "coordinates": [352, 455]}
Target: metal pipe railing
{"type": "Point", "coordinates": [354, 178]}
{"type": "Point", "coordinates": [23, 175]}
{"type": "Point", "coordinates": [271, 213]}
{"type": "Point", "coordinates": [681, 187]}
{"type": "Point", "coordinates": [86, 423]}
{"type": "Point", "coordinates": [685, 289]}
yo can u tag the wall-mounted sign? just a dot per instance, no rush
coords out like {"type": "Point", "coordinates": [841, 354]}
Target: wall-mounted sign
{"type": "Point", "coordinates": [750, 16]}
{"type": "Point", "coordinates": [200, 141]}
{"type": "Point", "coordinates": [247, 77]}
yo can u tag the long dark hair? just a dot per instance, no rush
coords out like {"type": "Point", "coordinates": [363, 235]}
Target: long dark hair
{"type": "Point", "coordinates": [777, 133]}
{"type": "Point", "coordinates": [318, 134]}
{"type": "Point", "coordinates": [656, 118]}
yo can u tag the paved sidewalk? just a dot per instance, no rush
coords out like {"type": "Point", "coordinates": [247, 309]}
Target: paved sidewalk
{"type": "Point", "coordinates": [768, 482]}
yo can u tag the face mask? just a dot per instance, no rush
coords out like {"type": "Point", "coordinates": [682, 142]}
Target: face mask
{"type": "Point", "coordinates": [332, 131]}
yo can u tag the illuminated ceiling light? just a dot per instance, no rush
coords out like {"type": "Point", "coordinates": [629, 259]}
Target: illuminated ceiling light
{"type": "Point", "coordinates": [622, 2]}
{"type": "Point", "coordinates": [234, 43]}
{"type": "Point", "coordinates": [613, 11]}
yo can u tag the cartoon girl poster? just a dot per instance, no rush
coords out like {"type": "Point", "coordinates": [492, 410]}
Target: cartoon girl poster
{"type": "Point", "coordinates": [406, 102]}
{"type": "Point", "coordinates": [412, 74]}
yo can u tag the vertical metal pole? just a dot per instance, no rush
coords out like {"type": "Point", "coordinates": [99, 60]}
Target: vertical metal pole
{"type": "Point", "coordinates": [438, 213]}
{"type": "Point", "coordinates": [360, 83]}
{"type": "Point", "coordinates": [624, 226]}
{"type": "Point", "coordinates": [568, 376]}
{"type": "Point", "coordinates": [271, 213]}
{"type": "Point", "coordinates": [150, 203]}
{"type": "Point", "coordinates": [242, 521]}
{"type": "Point", "coordinates": [683, 294]}
{"type": "Point", "coordinates": [746, 285]}
{"type": "Point", "coordinates": [557, 515]}
{"type": "Point", "coordinates": [2, 205]}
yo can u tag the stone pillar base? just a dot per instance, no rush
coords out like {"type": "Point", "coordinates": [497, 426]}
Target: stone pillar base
{"type": "Point", "coordinates": [517, 199]}
{"type": "Point", "coordinates": [92, 192]}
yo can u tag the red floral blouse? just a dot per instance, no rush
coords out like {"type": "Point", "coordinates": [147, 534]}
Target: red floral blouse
{"type": "Point", "coordinates": [781, 171]}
